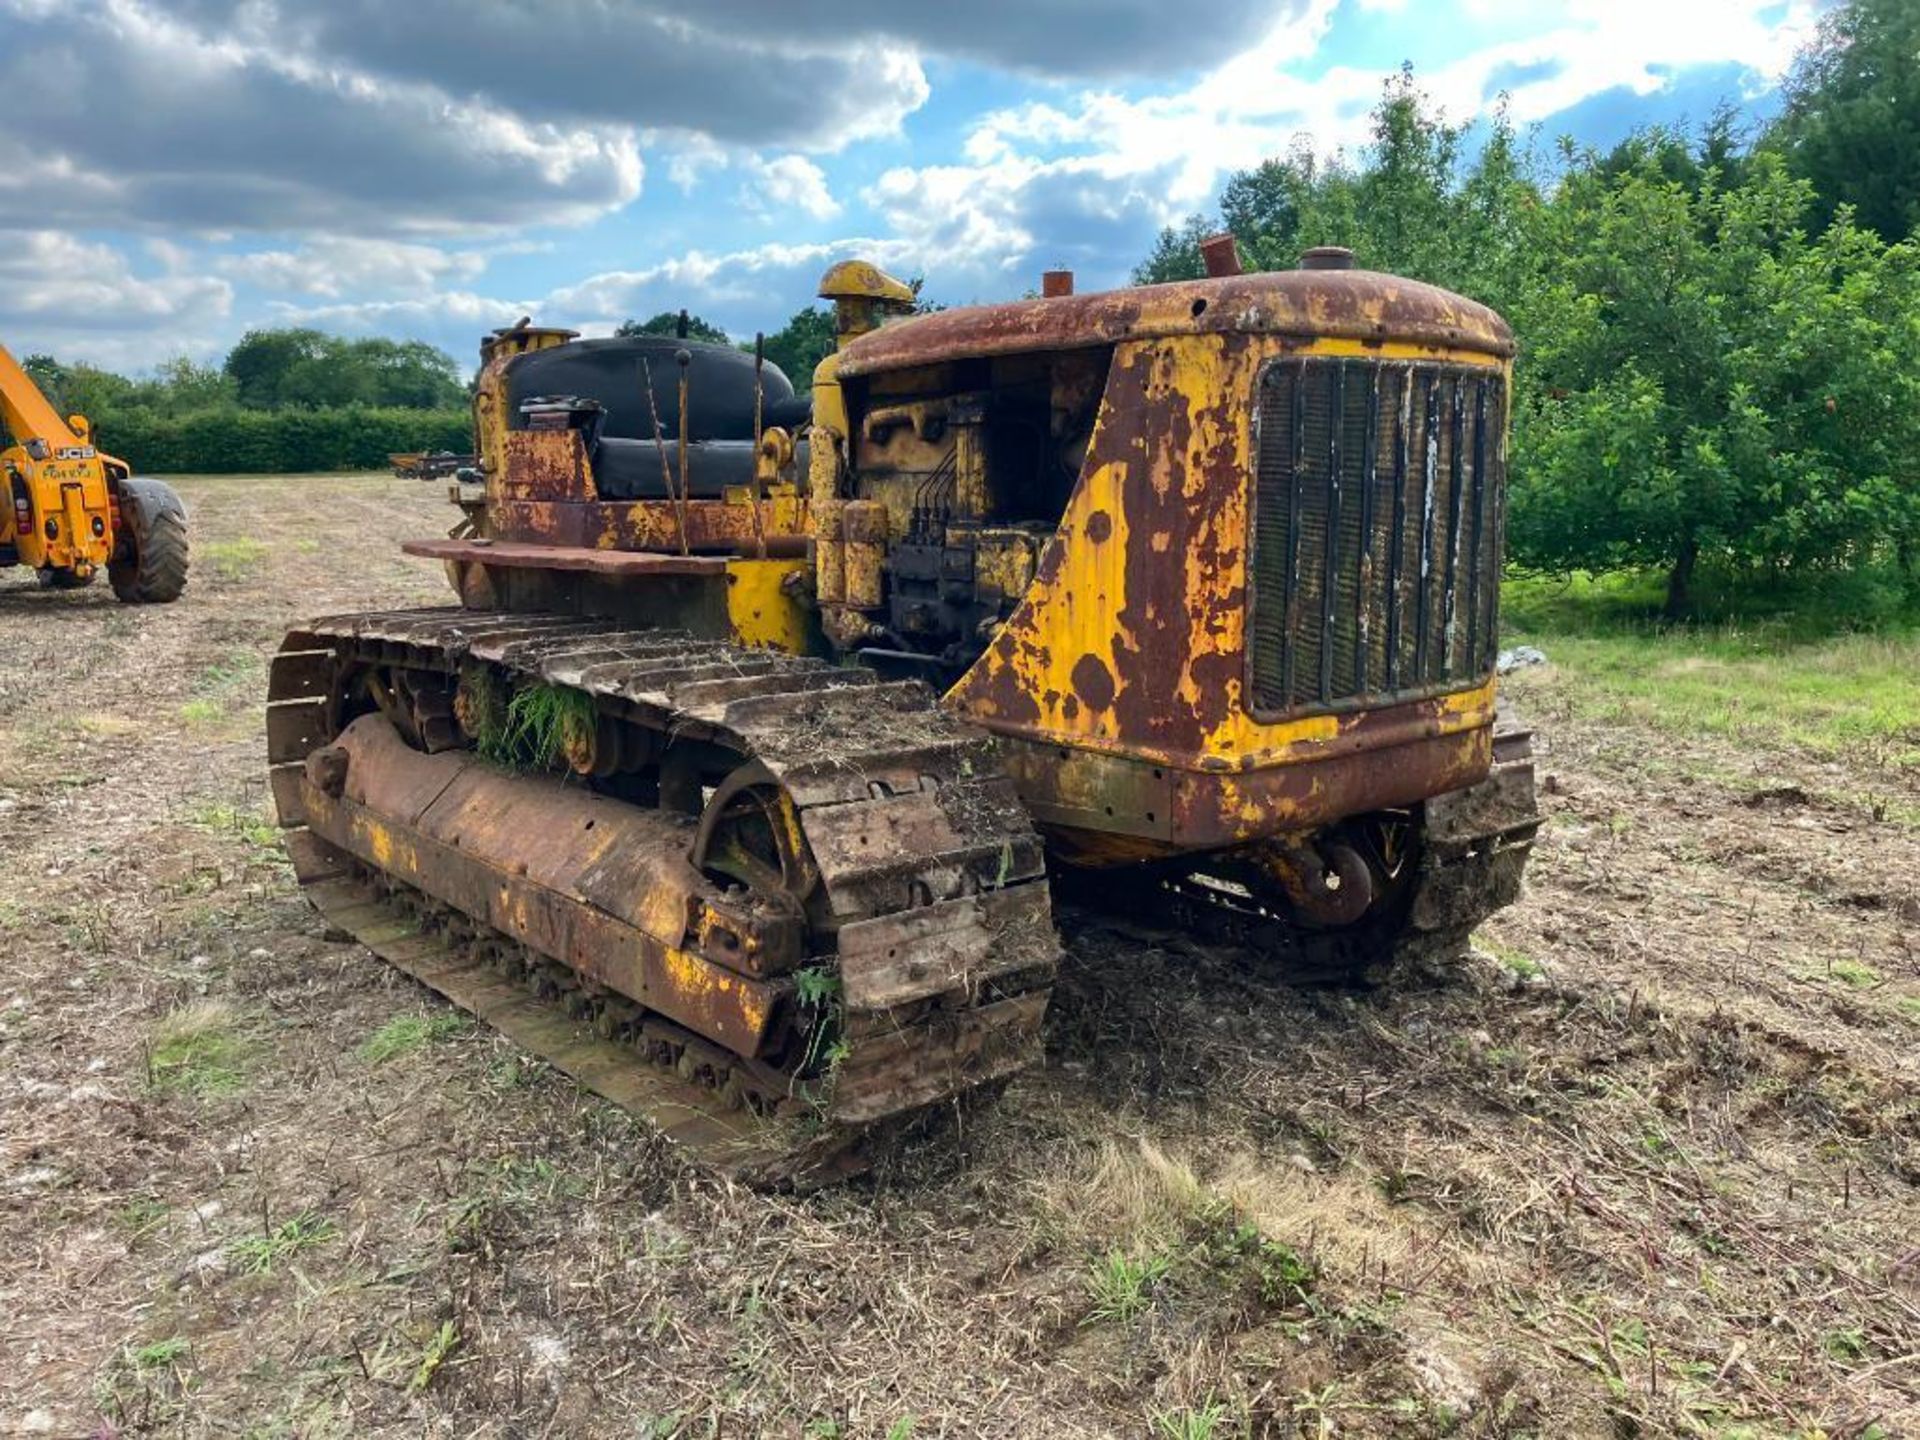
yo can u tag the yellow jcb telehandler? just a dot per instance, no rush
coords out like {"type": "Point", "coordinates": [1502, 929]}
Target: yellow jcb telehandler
{"type": "Point", "coordinates": [69, 510]}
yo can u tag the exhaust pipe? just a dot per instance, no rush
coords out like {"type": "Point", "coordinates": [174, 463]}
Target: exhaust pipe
{"type": "Point", "coordinates": [1221, 255]}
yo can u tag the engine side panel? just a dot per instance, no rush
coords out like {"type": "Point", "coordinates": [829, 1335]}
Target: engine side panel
{"type": "Point", "coordinates": [1124, 674]}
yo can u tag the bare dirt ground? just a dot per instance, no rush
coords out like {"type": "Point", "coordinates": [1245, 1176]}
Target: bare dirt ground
{"type": "Point", "coordinates": [1650, 1167]}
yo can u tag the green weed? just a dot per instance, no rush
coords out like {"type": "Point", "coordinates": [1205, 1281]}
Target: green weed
{"type": "Point", "coordinates": [197, 1050]}
{"type": "Point", "coordinates": [1517, 961]}
{"type": "Point", "coordinates": [1239, 1255]}
{"type": "Point", "coordinates": [1201, 1424]}
{"type": "Point", "coordinates": [141, 1215]}
{"type": "Point", "coordinates": [260, 1254]}
{"type": "Point", "coordinates": [404, 1034]}
{"type": "Point", "coordinates": [1855, 973]}
{"type": "Point", "coordinates": [443, 1343]}
{"type": "Point", "coordinates": [160, 1354]}
{"type": "Point", "coordinates": [481, 704]}
{"type": "Point", "coordinates": [231, 560]}
{"type": "Point", "coordinates": [543, 721]}
{"type": "Point", "coordinates": [224, 819]}
{"type": "Point", "coordinates": [1848, 1344]}
{"type": "Point", "coordinates": [202, 712]}
{"type": "Point", "coordinates": [1121, 1287]}
{"type": "Point", "coordinates": [818, 989]}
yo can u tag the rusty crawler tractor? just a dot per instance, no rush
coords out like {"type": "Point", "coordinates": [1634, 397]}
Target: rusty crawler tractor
{"type": "Point", "coordinates": [731, 785]}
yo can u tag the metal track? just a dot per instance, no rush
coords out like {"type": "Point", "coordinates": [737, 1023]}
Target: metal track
{"type": "Point", "coordinates": [934, 909]}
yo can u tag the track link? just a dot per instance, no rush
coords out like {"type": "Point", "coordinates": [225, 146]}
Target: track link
{"type": "Point", "coordinates": [931, 912]}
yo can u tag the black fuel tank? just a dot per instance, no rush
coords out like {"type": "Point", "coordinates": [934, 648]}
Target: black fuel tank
{"type": "Point", "coordinates": [719, 387]}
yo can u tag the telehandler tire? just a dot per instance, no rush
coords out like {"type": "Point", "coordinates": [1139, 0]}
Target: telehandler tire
{"type": "Point", "coordinates": [150, 563]}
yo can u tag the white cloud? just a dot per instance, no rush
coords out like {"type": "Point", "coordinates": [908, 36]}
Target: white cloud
{"type": "Point", "coordinates": [1102, 158]}
{"type": "Point", "coordinates": [691, 158]}
{"type": "Point", "coordinates": [741, 288]}
{"type": "Point", "coordinates": [335, 266]}
{"type": "Point", "coordinates": [50, 277]}
{"type": "Point", "coordinates": [790, 185]}
{"type": "Point", "coordinates": [235, 126]}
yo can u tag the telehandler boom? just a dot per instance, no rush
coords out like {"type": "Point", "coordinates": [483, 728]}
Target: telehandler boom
{"type": "Point", "coordinates": [69, 510]}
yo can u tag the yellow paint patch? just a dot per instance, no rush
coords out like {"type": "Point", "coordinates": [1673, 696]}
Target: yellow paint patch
{"type": "Point", "coordinates": [761, 611]}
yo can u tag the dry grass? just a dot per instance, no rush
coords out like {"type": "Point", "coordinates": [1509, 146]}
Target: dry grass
{"type": "Point", "coordinates": [1650, 1168]}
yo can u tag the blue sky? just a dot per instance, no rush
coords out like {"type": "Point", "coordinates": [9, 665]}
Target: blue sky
{"type": "Point", "coordinates": [173, 172]}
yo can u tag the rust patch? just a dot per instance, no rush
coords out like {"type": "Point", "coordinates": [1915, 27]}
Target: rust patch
{"type": "Point", "coordinates": [713, 526]}
{"type": "Point", "coordinates": [1093, 682]}
{"type": "Point", "coordinates": [1099, 527]}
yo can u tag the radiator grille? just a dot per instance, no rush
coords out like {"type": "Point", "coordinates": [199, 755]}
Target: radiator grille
{"type": "Point", "coordinates": [1379, 512]}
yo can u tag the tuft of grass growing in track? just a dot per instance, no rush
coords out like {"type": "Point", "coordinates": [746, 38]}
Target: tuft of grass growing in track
{"type": "Point", "coordinates": [532, 729]}
{"type": "Point", "coordinates": [404, 1034]}
{"type": "Point", "coordinates": [199, 1050]}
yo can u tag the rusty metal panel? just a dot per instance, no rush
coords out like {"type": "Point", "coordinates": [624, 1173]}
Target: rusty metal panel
{"type": "Point", "coordinates": [603, 886]}
{"type": "Point", "coordinates": [283, 781]}
{"type": "Point", "coordinates": [294, 727]}
{"type": "Point", "coordinates": [1355, 305]}
{"type": "Point", "coordinates": [546, 465]}
{"type": "Point", "coordinates": [1132, 643]}
{"type": "Point", "coordinates": [953, 946]}
{"type": "Point", "coordinates": [627, 564]}
{"type": "Point", "coordinates": [301, 674]}
{"type": "Point", "coordinates": [732, 1009]}
{"type": "Point", "coordinates": [712, 526]}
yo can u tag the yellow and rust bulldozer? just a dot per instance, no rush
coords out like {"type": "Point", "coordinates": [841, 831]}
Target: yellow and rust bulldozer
{"type": "Point", "coordinates": [71, 511]}
{"type": "Point", "coordinates": [742, 780]}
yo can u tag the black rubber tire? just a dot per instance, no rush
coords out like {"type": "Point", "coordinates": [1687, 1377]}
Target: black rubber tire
{"type": "Point", "coordinates": [150, 563]}
{"type": "Point", "coordinates": [65, 580]}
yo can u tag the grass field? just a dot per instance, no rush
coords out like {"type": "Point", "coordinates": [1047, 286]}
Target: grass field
{"type": "Point", "coordinates": [1649, 1165]}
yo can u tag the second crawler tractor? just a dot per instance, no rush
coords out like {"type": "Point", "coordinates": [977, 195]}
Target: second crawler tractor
{"type": "Point", "coordinates": [733, 782]}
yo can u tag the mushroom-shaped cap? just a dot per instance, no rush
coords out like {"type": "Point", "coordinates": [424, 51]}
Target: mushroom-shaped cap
{"type": "Point", "coordinates": [863, 280]}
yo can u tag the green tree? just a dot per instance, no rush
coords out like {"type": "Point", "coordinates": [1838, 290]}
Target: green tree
{"type": "Point", "coordinates": [1852, 119]}
{"type": "Point", "coordinates": [263, 360]}
{"type": "Point", "coordinates": [1414, 204]}
{"type": "Point", "coordinates": [801, 344]}
{"type": "Point", "coordinates": [182, 386]}
{"type": "Point", "coordinates": [1176, 254]}
{"type": "Point", "coordinates": [307, 369]}
{"type": "Point", "coordinates": [1709, 379]}
{"type": "Point", "coordinates": [409, 374]}
{"type": "Point", "coordinates": [667, 322]}
{"type": "Point", "coordinates": [83, 389]}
